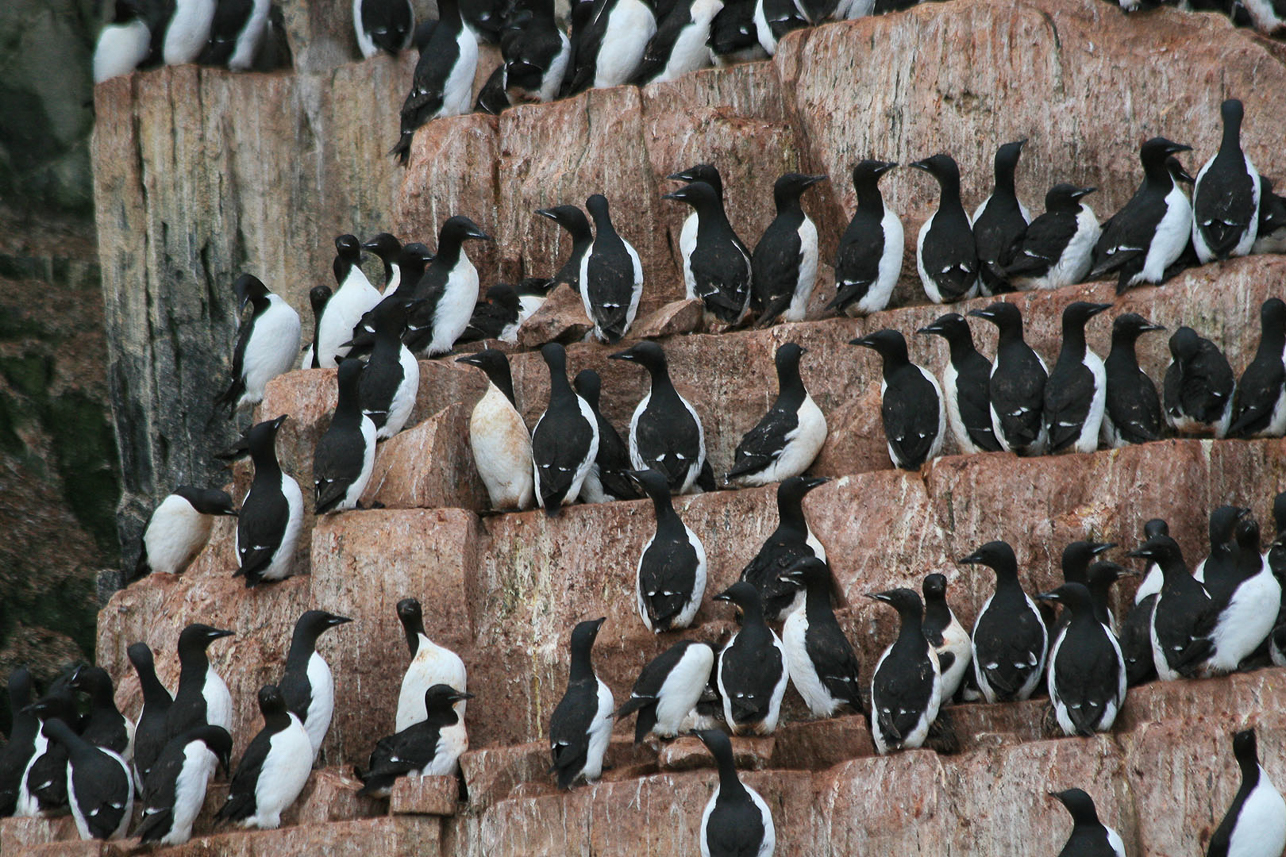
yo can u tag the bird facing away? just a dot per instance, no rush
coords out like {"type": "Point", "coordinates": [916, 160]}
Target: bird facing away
{"type": "Point", "coordinates": [906, 687]}
{"type": "Point", "coordinates": [736, 821]}
{"type": "Point", "coordinates": [582, 723]}
{"type": "Point", "coordinates": [1009, 637]}
{"type": "Point", "coordinates": [1089, 837]}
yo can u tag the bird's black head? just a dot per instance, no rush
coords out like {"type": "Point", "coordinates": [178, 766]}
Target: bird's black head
{"type": "Point", "coordinates": [791, 186]}
{"type": "Point", "coordinates": [1074, 596]}
{"type": "Point", "coordinates": [1272, 315]}
{"type": "Point", "coordinates": [889, 343]}
{"type": "Point", "coordinates": [439, 698]}
{"type": "Point", "coordinates": [1156, 150]}
{"type": "Point", "coordinates": [197, 636]}
{"type": "Point", "coordinates": [1007, 157]}
{"type": "Point", "coordinates": [1003, 314]}
{"type": "Point", "coordinates": [91, 680]}
{"type": "Point", "coordinates": [503, 296]}
{"type": "Point", "coordinates": [696, 194]}
{"type": "Point", "coordinates": [247, 288]}
{"type": "Point", "coordinates": [794, 488]}
{"type": "Point", "coordinates": [1232, 112]}
{"type": "Point", "coordinates": [1066, 197]}
{"type": "Point", "coordinates": [597, 207]}
{"type": "Point", "coordinates": [950, 326]}
{"type": "Point", "coordinates": [489, 360]}
{"type": "Point", "coordinates": [1222, 522]}
{"type": "Point", "coordinates": [566, 216]}
{"type": "Point", "coordinates": [384, 245]}
{"type": "Point", "coordinates": [320, 620]}
{"type": "Point", "coordinates": [458, 229]}
{"type": "Point", "coordinates": [535, 286]}
{"type": "Point", "coordinates": [1244, 747]}
{"type": "Point", "coordinates": [788, 356]}
{"type": "Point", "coordinates": [997, 555]}
{"type": "Point", "coordinates": [140, 655]}
{"type": "Point", "coordinates": [1156, 527]}
{"type": "Point", "coordinates": [1246, 533]}
{"type": "Point", "coordinates": [216, 739]}
{"type": "Point", "coordinates": [1184, 344]}
{"type": "Point", "coordinates": [1077, 313]}
{"type": "Point", "coordinates": [1158, 548]}
{"type": "Point", "coordinates": [263, 436]}
{"type": "Point", "coordinates": [646, 353]}
{"type": "Point", "coordinates": [271, 701]}
{"type": "Point", "coordinates": [585, 633]}
{"type": "Point", "coordinates": [207, 501]}
{"type": "Point", "coordinates": [555, 358]}
{"type": "Point", "coordinates": [349, 375]}
{"type": "Point", "coordinates": [742, 595]}
{"type": "Point", "coordinates": [1105, 573]}
{"type": "Point", "coordinates": [1177, 171]}
{"type": "Point", "coordinates": [700, 173]}
{"type": "Point", "coordinates": [941, 166]}
{"type": "Point", "coordinates": [905, 601]}
{"type": "Point", "coordinates": [867, 173]}
{"type": "Point", "coordinates": [718, 743]}
{"type": "Point", "coordinates": [1079, 804]}
{"type": "Point", "coordinates": [1132, 325]}
{"type": "Point", "coordinates": [318, 297]}
{"type": "Point", "coordinates": [415, 254]}
{"type": "Point", "coordinates": [588, 386]}
{"type": "Point", "coordinates": [809, 573]}
{"type": "Point", "coordinates": [410, 614]}
{"type": "Point", "coordinates": [934, 587]}
{"type": "Point", "coordinates": [349, 248]}
{"type": "Point", "coordinates": [1077, 555]}
{"type": "Point", "coordinates": [653, 482]}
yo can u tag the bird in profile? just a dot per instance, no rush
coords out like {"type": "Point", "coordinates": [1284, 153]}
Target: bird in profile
{"type": "Point", "coordinates": [1089, 835]}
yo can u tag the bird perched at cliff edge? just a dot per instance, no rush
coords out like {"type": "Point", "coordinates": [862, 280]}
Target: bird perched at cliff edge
{"type": "Point", "coordinates": [911, 409]}
{"type": "Point", "coordinates": [869, 258]}
{"type": "Point", "coordinates": [344, 458]}
{"type": "Point", "coordinates": [496, 316]}
{"type": "Point", "coordinates": [1132, 409]}
{"type": "Point", "coordinates": [21, 746]}
{"type": "Point", "coordinates": [104, 726]}
{"type": "Point", "coordinates": [201, 696]}
{"type": "Point", "coordinates": [383, 25]}
{"type": "Point", "coordinates": [498, 436]}
{"type": "Point", "coordinates": [267, 343]}
{"type": "Point", "coordinates": [1226, 196]}
{"type": "Point", "coordinates": [443, 81]}
{"type": "Point", "coordinates": [736, 820]}
{"type": "Point", "coordinates": [1086, 676]}
{"type": "Point", "coordinates": [752, 671]}
{"type": "Point", "coordinates": [1009, 637]}
{"type": "Point", "coordinates": [607, 479]}
{"type": "Point", "coordinates": [407, 269]}
{"type": "Point", "coordinates": [430, 664]}
{"type": "Point", "coordinates": [307, 684]}
{"type": "Point", "coordinates": [611, 275]}
{"type": "Point", "coordinates": [786, 439]}
{"type": "Point", "coordinates": [1076, 390]}
{"type": "Point", "coordinates": [1089, 835]}
{"type": "Point", "coordinates": [944, 632]}
{"type": "Point", "coordinates": [1249, 596]}
{"type": "Point", "coordinates": [733, 34]}
{"type": "Point", "coordinates": [42, 789]}
{"type": "Point", "coordinates": [1255, 824]}
{"type": "Point", "coordinates": [124, 43]}
{"type": "Point", "coordinates": [906, 686]}
{"type": "Point", "coordinates": [819, 658]}
{"type": "Point", "coordinates": [784, 264]}
{"type": "Point", "coordinates": [665, 431]}
{"type": "Point", "coordinates": [1259, 403]}
{"type": "Point", "coordinates": [537, 54]}
{"type": "Point", "coordinates": [1000, 219]}
{"type": "Point", "coordinates": [235, 33]}
{"type": "Point", "coordinates": [610, 49]}
{"type": "Point", "coordinates": [187, 30]}
{"type": "Point", "coordinates": [564, 443]}
{"type": "Point", "coordinates": [100, 791]}
{"type": "Point", "coordinates": [389, 385]}
{"type": "Point", "coordinates": [272, 512]}
{"type": "Point", "coordinates": [1136, 631]}
{"type": "Point", "coordinates": [946, 254]}
{"type": "Point", "coordinates": [581, 725]}
{"type": "Point", "coordinates": [575, 224]}
{"type": "Point", "coordinates": [1198, 386]}
{"type": "Point", "coordinates": [273, 770]}
{"type": "Point", "coordinates": [679, 45]}
{"type": "Point", "coordinates": [716, 264]}
{"type": "Point", "coordinates": [671, 574]}
{"type": "Point", "coordinates": [668, 688]}
{"type": "Point", "coordinates": [388, 250]}
{"type": "Point", "coordinates": [174, 795]}
{"type": "Point", "coordinates": [1017, 385]}
{"type": "Point", "coordinates": [150, 735]}
{"type": "Point", "coordinates": [1184, 616]}
{"type": "Point", "coordinates": [448, 289]}
{"type": "Point", "coordinates": [430, 747]}
{"type": "Point", "coordinates": [178, 529]}
{"type": "Point", "coordinates": [966, 381]}
{"type": "Point", "coordinates": [353, 298]}
{"type": "Point", "coordinates": [1057, 248]}
{"type": "Point", "coordinates": [789, 543]}
{"type": "Point", "coordinates": [318, 298]}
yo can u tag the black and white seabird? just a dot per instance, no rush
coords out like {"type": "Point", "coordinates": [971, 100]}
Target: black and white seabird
{"type": "Point", "coordinates": [353, 298]}
{"type": "Point", "coordinates": [267, 343]}
{"type": "Point", "coordinates": [1226, 196]}
{"type": "Point", "coordinates": [448, 289]}
{"type": "Point", "coordinates": [607, 479]}
{"type": "Point", "coordinates": [1136, 631]}
{"type": "Point", "coordinates": [752, 671]}
{"type": "Point", "coordinates": [175, 791]}
{"type": "Point", "coordinates": [665, 431]}
{"type": "Point", "coordinates": [1132, 410]}
{"type": "Point", "coordinates": [736, 820]}
{"type": "Point", "coordinates": [611, 275]}
{"type": "Point", "coordinates": [307, 684]}
{"type": "Point", "coordinates": [179, 528]}
{"type": "Point", "coordinates": [430, 664]}
{"type": "Point", "coordinates": [124, 43]}
{"type": "Point", "coordinates": [679, 45]}
{"type": "Point", "coordinates": [819, 658]}
{"type": "Point", "coordinates": [734, 37]}
{"type": "Point", "coordinates": [383, 25]}
{"type": "Point", "coordinates": [443, 81]}
{"type": "Point", "coordinates": [430, 747]}
{"type": "Point", "coordinates": [273, 770]}
{"type": "Point", "coordinates": [774, 19]}
{"type": "Point", "coordinates": [668, 689]}
{"type": "Point", "coordinates": [318, 298]}
{"type": "Point", "coordinates": [387, 388]}
{"type": "Point", "coordinates": [1000, 219]}
{"type": "Point", "coordinates": [784, 263]}
{"type": "Point", "coordinates": [1086, 670]}
{"type": "Point", "coordinates": [388, 250]}
{"type": "Point", "coordinates": [1102, 575]}
{"type": "Point", "coordinates": [21, 747]}
{"type": "Point", "coordinates": [1271, 237]}
{"type": "Point", "coordinates": [869, 258]}
{"type": "Point", "coordinates": [949, 638]}
{"type": "Point", "coordinates": [946, 254]}
{"type": "Point", "coordinates": [582, 723]}
{"type": "Point", "coordinates": [105, 726]}
{"type": "Point", "coordinates": [1150, 232]}
{"type": "Point", "coordinates": [1089, 835]}
{"type": "Point", "coordinates": [1009, 636]}
{"type": "Point", "coordinates": [670, 580]}
{"type": "Point", "coordinates": [272, 512]}
{"type": "Point", "coordinates": [1249, 596]}
{"type": "Point", "coordinates": [576, 225]}
{"type": "Point", "coordinates": [406, 269]}
{"type": "Point", "coordinates": [187, 31]}
{"type": "Point", "coordinates": [202, 696]}
{"type": "Point", "coordinates": [1076, 390]}
{"type": "Point", "coordinates": [1184, 616]}
{"type": "Point", "coordinates": [911, 407]}
{"type": "Point", "coordinates": [498, 436]}
{"type": "Point", "coordinates": [1075, 564]}
{"type": "Point", "coordinates": [564, 443]}
{"type": "Point", "coordinates": [150, 732]}
{"type": "Point", "coordinates": [789, 543]}
{"type": "Point", "coordinates": [786, 439]}
{"type": "Point", "coordinates": [1017, 385]}
{"type": "Point", "coordinates": [235, 33]}
{"type": "Point", "coordinates": [716, 264]}
{"type": "Point", "coordinates": [1198, 386]}
{"type": "Point", "coordinates": [345, 456]}
{"type": "Point", "coordinates": [99, 788]}
{"type": "Point", "coordinates": [1255, 824]}
{"type": "Point", "coordinates": [497, 316]}
{"type": "Point", "coordinates": [42, 790]}
{"type": "Point", "coordinates": [537, 54]}
{"type": "Point", "coordinates": [1259, 404]}
{"type": "Point", "coordinates": [610, 49]}
{"type": "Point", "coordinates": [1221, 562]}
{"type": "Point", "coordinates": [906, 687]}
{"type": "Point", "coordinates": [966, 386]}
{"type": "Point", "coordinates": [1057, 248]}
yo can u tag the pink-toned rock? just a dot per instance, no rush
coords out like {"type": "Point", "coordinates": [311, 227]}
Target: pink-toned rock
{"type": "Point", "coordinates": [819, 744]}
{"type": "Point", "coordinates": [672, 319]}
{"type": "Point", "coordinates": [687, 753]}
{"type": "Point", "coordinates": [491, 774]}
{"type": "Point", "coordinates": [561, 318]}
{"type": "Point", "coordinates": [425, 796]}
{"type": "Point", "coordinates": [428, 466]}
{"type": "Point", "coordinates": [402, 836]}
{"type": "Point", "coordinates": [19, 833]}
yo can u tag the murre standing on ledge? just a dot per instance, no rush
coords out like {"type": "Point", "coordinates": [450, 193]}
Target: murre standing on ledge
{"type": "Point", "coordinates": [124, 43]}
{"type": "Point", "coordinates": [388, 250]}
{"type": "Point", "coordinates": [668, 688]}
{"type": "Point", "coordinates": [42, 790]}
{"type": "Point", "coordinates": [272, 512]}
{"type": "Point", "coordinates": [383, 25]}
{"type": "Point", "coordinates": [1226, 196]}
{"type": "Point", "coordinates": [1222, 559]}
{"type": "Point", "coordinates": [353, 298]}
{"type": "Point", "coordinates": [966, 382]}
{"type": "Point", "coordinates": [1086, 670]}
{"type": "Point", "coordinates": [235, 32]}
{"type": "Point", "coordinates": [611, 275]}
{"type": "Point", "coordinates": [388, 386]}
{"type": "Point", "coordinates": [150, 733]}
{"type": "Point", "coordinates": [345, 456]}
{"type": "Point", "coordinates": [1259, 404]}
{"type": "Point", "coordinates": [174, 795]}
{"type": "Point", "coordinates": [430, 664]}
{"type": "Point", "coordinates": [21, 746]}
{"type": "Point", "coordinates": [564, 443]}
{"type": "Point", "coordinates": [671, 575]}
{"type": "Point", "coordinates": [1009, 637]}
{"type": "Point", "coordinates": [1057, 248]}
{"type": "Point", "coordinates": [1255, 824]}
{"type": "Point", "coordinates": [716, 264]}
{"type": "Point", "coordinates": [307, 684]}
{"type": "Point", "coordinates": [1017, 385]}
{"type": "Point", "coordinates": [105, 726]}
{"type": "Point", "coordinates": [752, 672]}
{"type": "Point", "coordinates": [267, 343]}
{"type": "Point", "coordinates": [869, 258]}
{"type": "Point", "coordinates": [1000, 219]}
{"type": "Point", "coordinates": [784, 263]}
{"type": "Point", "coordinates": [946, 254]}
{"type": "Point", "coordinates": [736, 820]}
{"type": "Point", "coordinates": [179, 528]}
{"type": "Point", "coordinates": [915, 421]}
{"type": "Point", "coordinates": [819, 658]}
{"type": "Point", "coordinates": [1132, 410]}
{"type": "Point", "coordinates": [1184, 616]}
{"type": "Point", "coordinates": [581, 725]}
{"type": "Point", "coordinates": [497, 316]}
{"type": "Point", "coordinates": [665, 431]}
{"type": "Point", "coordinates": [734, 37]}
{"type": "Point", "coordinates": [201, 696]}
{"type": "Point", "coordinates": [443, 81]}
{"type": "Point", "coordinates": [679, 45]}
{"type": "Point", "coordinates": [1089, 835]}
{"type": "Point", "coordinates": [906, 686]}
{"type": "Point", "coordinates": [1076, 390]}
{"type": "Point", "coordinates": [1150, 232]}
{"type": "Point", "coordinates": [773, 19]}
{"type": "Point", "coordinates": [448, 289]}
{"type": "Point", "coordinates": [1136, 631]}
{"type": "Point", "coordinates": [536, 56]}
{"type": "Point", "coordinates": [786, 439]}
{"type": "Point", "coordinates": [430, 747]}
{"type": "Point", "coordinates": [498, 436]}
{"type": "Point", "coordinates": [611, 47]}
{"type": "Point", "coordinates": [789, 543]}
{"type": "Point", "coordinates": [944, 632]}
{"type": "Point", "coordinates": [99, 788]}
{"type": "Point", "coordinates": [607, 479]}
{"type": "Point", "coordinates": [576, 225]}
{"type": "Point", "coordinates": [187, 31]}
{"type": "Point", "coordinates": [1198, 386]}
{"type": "Point", "coordinates": [1250, 597]}
{"type": "Point", "coordinates": [318, 298]}
{"type": "Point", "coordinates": [273, 770]}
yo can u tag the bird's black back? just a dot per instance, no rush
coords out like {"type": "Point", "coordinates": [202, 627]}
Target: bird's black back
{"type": "Point", "coordinates": [910, 413]}
{"type": "Point", "coordinates": [1018, 382]}
{"type": "Point", "coordinates": [1009, 633]}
